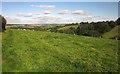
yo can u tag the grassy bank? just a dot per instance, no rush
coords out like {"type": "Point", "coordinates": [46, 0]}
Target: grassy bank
{"type": "Point", "coordinates": [35, 51]}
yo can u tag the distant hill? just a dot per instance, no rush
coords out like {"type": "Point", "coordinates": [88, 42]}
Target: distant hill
{"type": "Point", "coordinates": [112, 34]}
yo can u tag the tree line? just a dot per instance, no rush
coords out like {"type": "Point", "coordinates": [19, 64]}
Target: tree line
{"type": "Point", "coordinates": [95, 29]}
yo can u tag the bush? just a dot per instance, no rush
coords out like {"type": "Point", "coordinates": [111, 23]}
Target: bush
{"type": "Point", "coordinates": [85, 29]}
{"type": "Point", "coordinates": [112, 24]}
{"type": "Point", "coordinates": [2, 23]}
{"type": "Point", "coordinates": [93, 29]}
{"type": "Point", "coordinates": [102, 27]}
{"type": "Point", "coordinates": [118, 21]}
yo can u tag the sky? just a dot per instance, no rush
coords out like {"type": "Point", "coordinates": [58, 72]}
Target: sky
{"type": "Point", "coordinates": [60, 0]}
{"type": "Point", "coordinates": [58, 12]}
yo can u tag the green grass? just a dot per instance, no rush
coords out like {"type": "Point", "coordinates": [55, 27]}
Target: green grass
{"type": "Point", "coordinates": [0, 40]}
{"type": "Point", "coordinates": [40, 51]}
{"type": "Point", "coordinates": [67, 27]}
{"type": "Point", "coordinates": [0, 52]}
{"type": "Point", "coordinates": [112, 33]}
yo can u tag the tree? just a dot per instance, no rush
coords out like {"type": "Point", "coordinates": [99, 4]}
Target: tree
{"type": "Point", "coordinates": [2, 23]}
{"type": "Point", "coordinates": [118, 21]}
{"type": "Point", "coordinates": [102, 27]}
{"type": "Point", "coordinates": [111, 24]}
{"type": "Point", "coordinates": [85, 29]}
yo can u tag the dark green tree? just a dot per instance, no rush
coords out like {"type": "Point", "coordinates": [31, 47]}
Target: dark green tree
{"type": "Point", "coordinates": [2, 23]}
{"type": "Point", "coordinates": [112, 24]}
{"type": "Point", "coordinates": [118, 21]}
{"type": "Point", "coordinates": [102, 27]}
{"type": "Point", "coordinates": [85, 29]}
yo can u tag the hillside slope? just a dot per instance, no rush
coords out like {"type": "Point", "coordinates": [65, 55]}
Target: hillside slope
{"type": "Point", "coordinates": [35, 51]}
{"type": "Point", "coordinates": [113, 33]}
{"type": "Point", "coordinates": [68, 27]}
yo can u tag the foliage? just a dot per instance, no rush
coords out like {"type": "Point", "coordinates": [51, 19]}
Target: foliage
{"type": "Point", "coordinates": [93, 29]}
{"type": "Point", "coordinates": [118, 21]}
{"type": "Point", "coordinates": [2, 23]}
{"type": "Point", "coordinates": [68, 27]}
{"type": "Point", "coordinates": [112, 24]}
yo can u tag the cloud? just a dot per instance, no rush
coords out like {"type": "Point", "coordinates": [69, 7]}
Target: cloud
{"type": "Point", "coordinates": [28, 15]}
{"type": "Point", "coordinates": [51, 19]}
{"type": "Point", "coordinates": [36, 13]}
{"type": "Point", "coordinates": [19, 20]}
{"type": "Point", "coordinates": [16, 18]}
{"type": "Point", "coordinates": [46, 19]}
{"type": "Point", "coordinates": [80, 12]}
{"type": "Point", "coordinates": [92, 18]}
{"type": "Point", "coordinates": [38, 18]}
{"type": "Point", "coordinates": [76, 12]}
{"type": "Point", "coordinates": [47, 12]}
{"type": "Point", "coordinates": [24, 14]}
{"type": "Point", "coordinates": [13, 19]}
{"type": "Point", "coordinates": [64, 12]}
{"type": "Point", "coordinates": [44, 6]}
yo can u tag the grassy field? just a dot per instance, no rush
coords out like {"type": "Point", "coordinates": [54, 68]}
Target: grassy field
{"type": "Point", "coordinates": [67, 27]}
{"type": "Point", "coordinates": [40, 51]}
{"type": "Point", "coordinates": [0, 52]}
{"type": "Point", "coordinates": [112, 33]}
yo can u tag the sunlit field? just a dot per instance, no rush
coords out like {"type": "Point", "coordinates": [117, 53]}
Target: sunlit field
{"type": "Point", "coordinates": [41, 51]}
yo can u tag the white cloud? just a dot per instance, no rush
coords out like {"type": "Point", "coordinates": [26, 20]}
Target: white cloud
{"type": "Point", "coordinates": [64, 12]}
{"type": "Point", "coordinates": [55, 19]}
{"type": "Point", "coordinates": [93, 18]}
{"type": "Point", "coordinates": [34, 13]}
{"type": "Point", "coordinates": [13, 20]}
{"type": "Point", "coordinates": [45, 19]}
{"type": "Point", "coordinates": [80, 12]}
{"type": "Point", "coordinates": [38, 18]}
{"type": "Point", "coordinates": [76, 12]}
{"type": "Point", "coordinates": [47, 12]}
{"type": "Point", "coordinates": [44, 6]}
{"type": "Point", "coordinates": [16, 18]}
{"type": "Point", "coordinates": [27, 14]}
{"type": "Point", "coordinates": [24, 14]}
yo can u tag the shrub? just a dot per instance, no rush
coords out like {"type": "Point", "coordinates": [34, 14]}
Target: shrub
{"type": "Point", "coordinates": [2, 23]}
{"type": "Point", "coordinates": [118, 21]}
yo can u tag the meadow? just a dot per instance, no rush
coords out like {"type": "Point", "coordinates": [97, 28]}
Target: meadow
{"type": "Point", "coordinates": [0, 52]}
{"type": "Point", "coordinates": [42, 51]}
{"type": "Point", "coordinates": [113, 33]}
{"type": "Point", "coordinates": [68, 27]}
